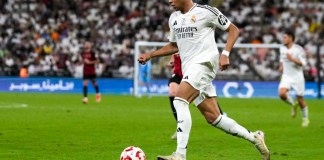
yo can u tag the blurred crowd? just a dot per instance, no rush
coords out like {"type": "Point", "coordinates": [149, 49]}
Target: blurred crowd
{"type": "Point", "coordinates": [264, 21]}
{"type": "Point", "coordinates": [45, 37]}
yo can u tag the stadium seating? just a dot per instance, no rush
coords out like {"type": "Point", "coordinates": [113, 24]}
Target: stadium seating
{"type": "Point", "coordinates": [46, 36]}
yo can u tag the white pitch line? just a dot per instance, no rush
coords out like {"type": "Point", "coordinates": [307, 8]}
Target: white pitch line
{"type": "Point", "coordinates": [13, 105]}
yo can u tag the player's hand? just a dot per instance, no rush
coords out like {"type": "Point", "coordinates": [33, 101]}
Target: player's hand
{"type": "Point", "coordinates": [86, 61]}
{"type": "Point", "coordinates": [223, 62]}
{"type": "Point", "coordinates": [144, 58]}
{"type": "Point", "coordinates": [289, 57]}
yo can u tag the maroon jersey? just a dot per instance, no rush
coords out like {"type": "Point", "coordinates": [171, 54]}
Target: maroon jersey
{"type": "Point", "coordinates": [177, 65]}
{"type": "Point", "coordinates": [88, 69]}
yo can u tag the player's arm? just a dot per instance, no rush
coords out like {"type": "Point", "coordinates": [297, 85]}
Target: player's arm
{"type": "Point", "coordinates": [281, 58]}
{"type": "Point", "coordinates": [301, 58]}
{"type": "Point", "coordinates": [223, 23]}
{"type": "Point", "coordinates": [280, 69]}
{"type": "Point", "coordinates": [233, 33]}
{"type": "Point", "coordinates": [166, 50]}
{"type": "Point", "coordinates": [171, 62]}
{"type": "Point", "coordinates": [296, 61]}
{"type": "Point", "coordinates": [94, 61]}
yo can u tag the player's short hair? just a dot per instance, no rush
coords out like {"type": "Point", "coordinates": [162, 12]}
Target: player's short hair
{"type": "Point", "coordinates": [202, 2]}
{"type": "Point", "coordinates": [290, 33]}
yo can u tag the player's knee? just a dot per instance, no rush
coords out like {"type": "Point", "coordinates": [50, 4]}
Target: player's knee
{"type": "Point", "coordinates": [282, 95]}
{"type": "Point", "coordinates": [210, 118]}
{"type": "Point", "coordinates": [180, 103]}
{"type": "Point", "coordinates": [172, 93]}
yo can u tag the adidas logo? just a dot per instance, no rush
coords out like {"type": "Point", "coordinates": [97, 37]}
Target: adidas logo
{"type": "Point", "coordinates": [179, 130]}
{"type": "Point", "coordinates": [175, 23]}
{"type": "Point", "coordinates": [186, 77]}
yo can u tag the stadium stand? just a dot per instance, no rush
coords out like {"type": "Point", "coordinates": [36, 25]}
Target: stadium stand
{"type": "Point", "coordinates": [46, 36]}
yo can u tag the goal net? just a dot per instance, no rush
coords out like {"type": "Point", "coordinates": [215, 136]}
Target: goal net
{"type": "Point", "coordinates": [249, 62]}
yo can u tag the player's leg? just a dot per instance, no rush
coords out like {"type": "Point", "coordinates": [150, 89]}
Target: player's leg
{"type": "Point", "coordinates": [304, 110]}
{"type": "Point", "coordinates": [173, 86]}
{"type": "Point", "coordinates": [144, 86]}
{"type": "Point", "coordinates": [96, 87]}
{"type": "Point", "coordinates": [284, 87]}
{"type": "Point", "coordinates": [208, 107]}
{"type": "Point", "coordinates": [147, 83]}
{"type": "Point", "coordinates": [220, 109]}
{"type": "Point", "coordinates": [213, 116]}
{"type": "Point", "coordinates": [283, 94]}
{"type": "Point", "coordinates": [172, 92]}
{"type": "Point", "coordinates": [184, 96]}
{"type": "Point", "coordinates": [85, 91]}
{"type": "Point", "coordinates": [299, 88]}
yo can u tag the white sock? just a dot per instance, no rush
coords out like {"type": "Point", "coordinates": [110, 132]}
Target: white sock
{"type": "Point", "coordinates": [230, 126]}
{"type": "Point", "coordinates": [290, 100]}
{"type": "Point", "coordinates": [184, 124]}
{"type": "Point", "coordinates": [305, 112]}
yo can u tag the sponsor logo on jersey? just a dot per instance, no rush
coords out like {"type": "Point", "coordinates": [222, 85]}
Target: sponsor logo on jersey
{"type": "Point", "coordinates": [185, 29]}
{"type": "Point", "coordinates": [185, 32]}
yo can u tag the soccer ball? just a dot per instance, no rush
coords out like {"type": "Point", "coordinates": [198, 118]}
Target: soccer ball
{"type": "Point", "coordinates": [132, 153]}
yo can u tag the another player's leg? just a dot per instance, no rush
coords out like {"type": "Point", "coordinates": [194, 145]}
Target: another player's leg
{"type": "Point", "coordinates": [172, 92]}
{"type": "Point", "coordinates": [304, 111]}
{"type": "Point", "coordinates": [174, 112]}
{"type": "Point", "coordinates": [147, 85]}
{"type": "Point", "coordinates": [96, 87]}
{"type": "Point", "coordinates": [85, 91]}
{"type": "Point", "coordinates": [211, 112]}
{"type": "Point", "coordinates": [171, 98]}
{"type": "Point", "coordinates": [220, 109]}
{"type": "Point", "coordinates": [283, 94]}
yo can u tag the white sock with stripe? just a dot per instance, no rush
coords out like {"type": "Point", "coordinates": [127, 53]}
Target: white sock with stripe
{"type": "Point", "coordinates": [184, 124]}
{"type": "Point", "coordinates": [230, 126]}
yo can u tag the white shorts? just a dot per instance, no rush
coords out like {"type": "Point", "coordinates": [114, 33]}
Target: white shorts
{"type": "Point", "coordinates": [297, 85]}
{"type": "Point", "coordinates": [200, 77]}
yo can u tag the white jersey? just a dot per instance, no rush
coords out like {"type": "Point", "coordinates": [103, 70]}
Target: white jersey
{"type": "Point", "coordinates": [291, 70]}
{"type": "Point", "coordinates": [194, 34]}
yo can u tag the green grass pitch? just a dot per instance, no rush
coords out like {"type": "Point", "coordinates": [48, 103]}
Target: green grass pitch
{"type": "Point", "coordinates": [60, 127]}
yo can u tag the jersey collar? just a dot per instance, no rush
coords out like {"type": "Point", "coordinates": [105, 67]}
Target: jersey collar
{"type": "Point", "coordinates": [192, 7]}
{"type": "Point", "coordinates": [195, 4]}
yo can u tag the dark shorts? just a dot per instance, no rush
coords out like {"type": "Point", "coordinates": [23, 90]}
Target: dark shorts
{"type": "Point", "coordinates": [175, 78]}
{"type": "Point", "coordinates": [89, 77]}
